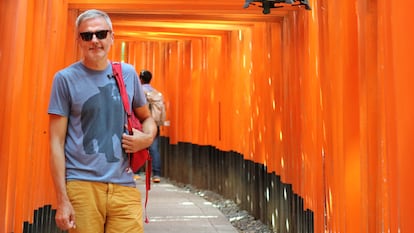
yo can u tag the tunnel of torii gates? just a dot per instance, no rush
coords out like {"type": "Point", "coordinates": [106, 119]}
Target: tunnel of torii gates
{"type": "Point", "coordinates": [303, 117]}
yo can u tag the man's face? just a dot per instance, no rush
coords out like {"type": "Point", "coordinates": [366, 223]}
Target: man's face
{"type": "Point", "coordinates": [93, 48]}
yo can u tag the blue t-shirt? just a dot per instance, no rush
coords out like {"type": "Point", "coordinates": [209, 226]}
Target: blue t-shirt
{"type": "Point", "coordinates": [96, 118]}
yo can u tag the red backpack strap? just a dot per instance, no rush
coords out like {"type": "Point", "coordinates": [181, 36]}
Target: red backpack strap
{"type": "Point", "coordinates": [117, 70]}
{"type": "Point", "coordinates": [148, 169]}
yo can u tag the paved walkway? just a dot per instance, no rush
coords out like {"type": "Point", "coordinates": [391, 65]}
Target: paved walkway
{"type": "Point", "coordinates": [173, 209]}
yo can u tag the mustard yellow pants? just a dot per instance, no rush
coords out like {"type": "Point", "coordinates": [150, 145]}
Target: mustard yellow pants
{"type": "Point", "coordinates": [105, 208]}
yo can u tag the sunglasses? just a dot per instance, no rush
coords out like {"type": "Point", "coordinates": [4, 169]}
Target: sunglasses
{"type": "Point", "coordinates": [87, 36]}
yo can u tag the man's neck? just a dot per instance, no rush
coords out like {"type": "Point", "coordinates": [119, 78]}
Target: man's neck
{"type": "Point", "coordinates": [96, 65]}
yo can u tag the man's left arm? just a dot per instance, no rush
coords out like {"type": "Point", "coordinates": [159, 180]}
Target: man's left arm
{"type": "Point", "coordinates": [140, 140]}
{"type": "Point", "coordinates": [148, 124]}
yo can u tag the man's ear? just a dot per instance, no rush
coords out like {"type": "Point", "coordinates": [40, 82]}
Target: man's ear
{"type": "Point", "coordinates": [112, 37]}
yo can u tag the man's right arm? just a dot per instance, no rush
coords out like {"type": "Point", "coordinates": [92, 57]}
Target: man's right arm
{"type": "Point", "coordinates": [58, 127]}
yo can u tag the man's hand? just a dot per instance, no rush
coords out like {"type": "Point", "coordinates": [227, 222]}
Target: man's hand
{"type": "Point", "coordinates": [65, 216]}
{"type": "Point", "coordinates": [136, 142]}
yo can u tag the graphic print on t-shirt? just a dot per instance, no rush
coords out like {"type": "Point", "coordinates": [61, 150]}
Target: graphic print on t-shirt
{"type": "Point", "coordinates": [100, 118]}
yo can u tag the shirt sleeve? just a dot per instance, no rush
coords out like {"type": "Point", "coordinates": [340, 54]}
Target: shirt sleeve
{"type": "Point", "coordinates": [138, 96]}
{"type": "Point", "coordinates": [59, 97]}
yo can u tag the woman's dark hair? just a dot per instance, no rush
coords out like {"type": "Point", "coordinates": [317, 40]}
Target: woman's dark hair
{"type": "Point", "coordinates": [145, 76]}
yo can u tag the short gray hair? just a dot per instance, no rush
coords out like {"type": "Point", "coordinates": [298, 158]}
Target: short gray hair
{"type": "Point", "coordinates": [90, 14]}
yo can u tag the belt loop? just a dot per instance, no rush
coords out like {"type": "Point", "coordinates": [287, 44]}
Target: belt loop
{"type": "Point", "coordinates": [110, 188]}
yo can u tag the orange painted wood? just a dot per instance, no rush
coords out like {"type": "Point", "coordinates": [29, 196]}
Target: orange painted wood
{"type": "Point", "coordinates": [322, 98]}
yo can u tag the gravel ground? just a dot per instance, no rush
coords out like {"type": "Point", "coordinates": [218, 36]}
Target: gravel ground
{"type": "Point", "coordinates": [240, 219]}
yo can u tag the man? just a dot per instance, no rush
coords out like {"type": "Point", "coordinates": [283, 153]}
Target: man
{"type": "Point", "coordinates": [155, 100]}
{"type": "Point", "coordinates": [94, 186]}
